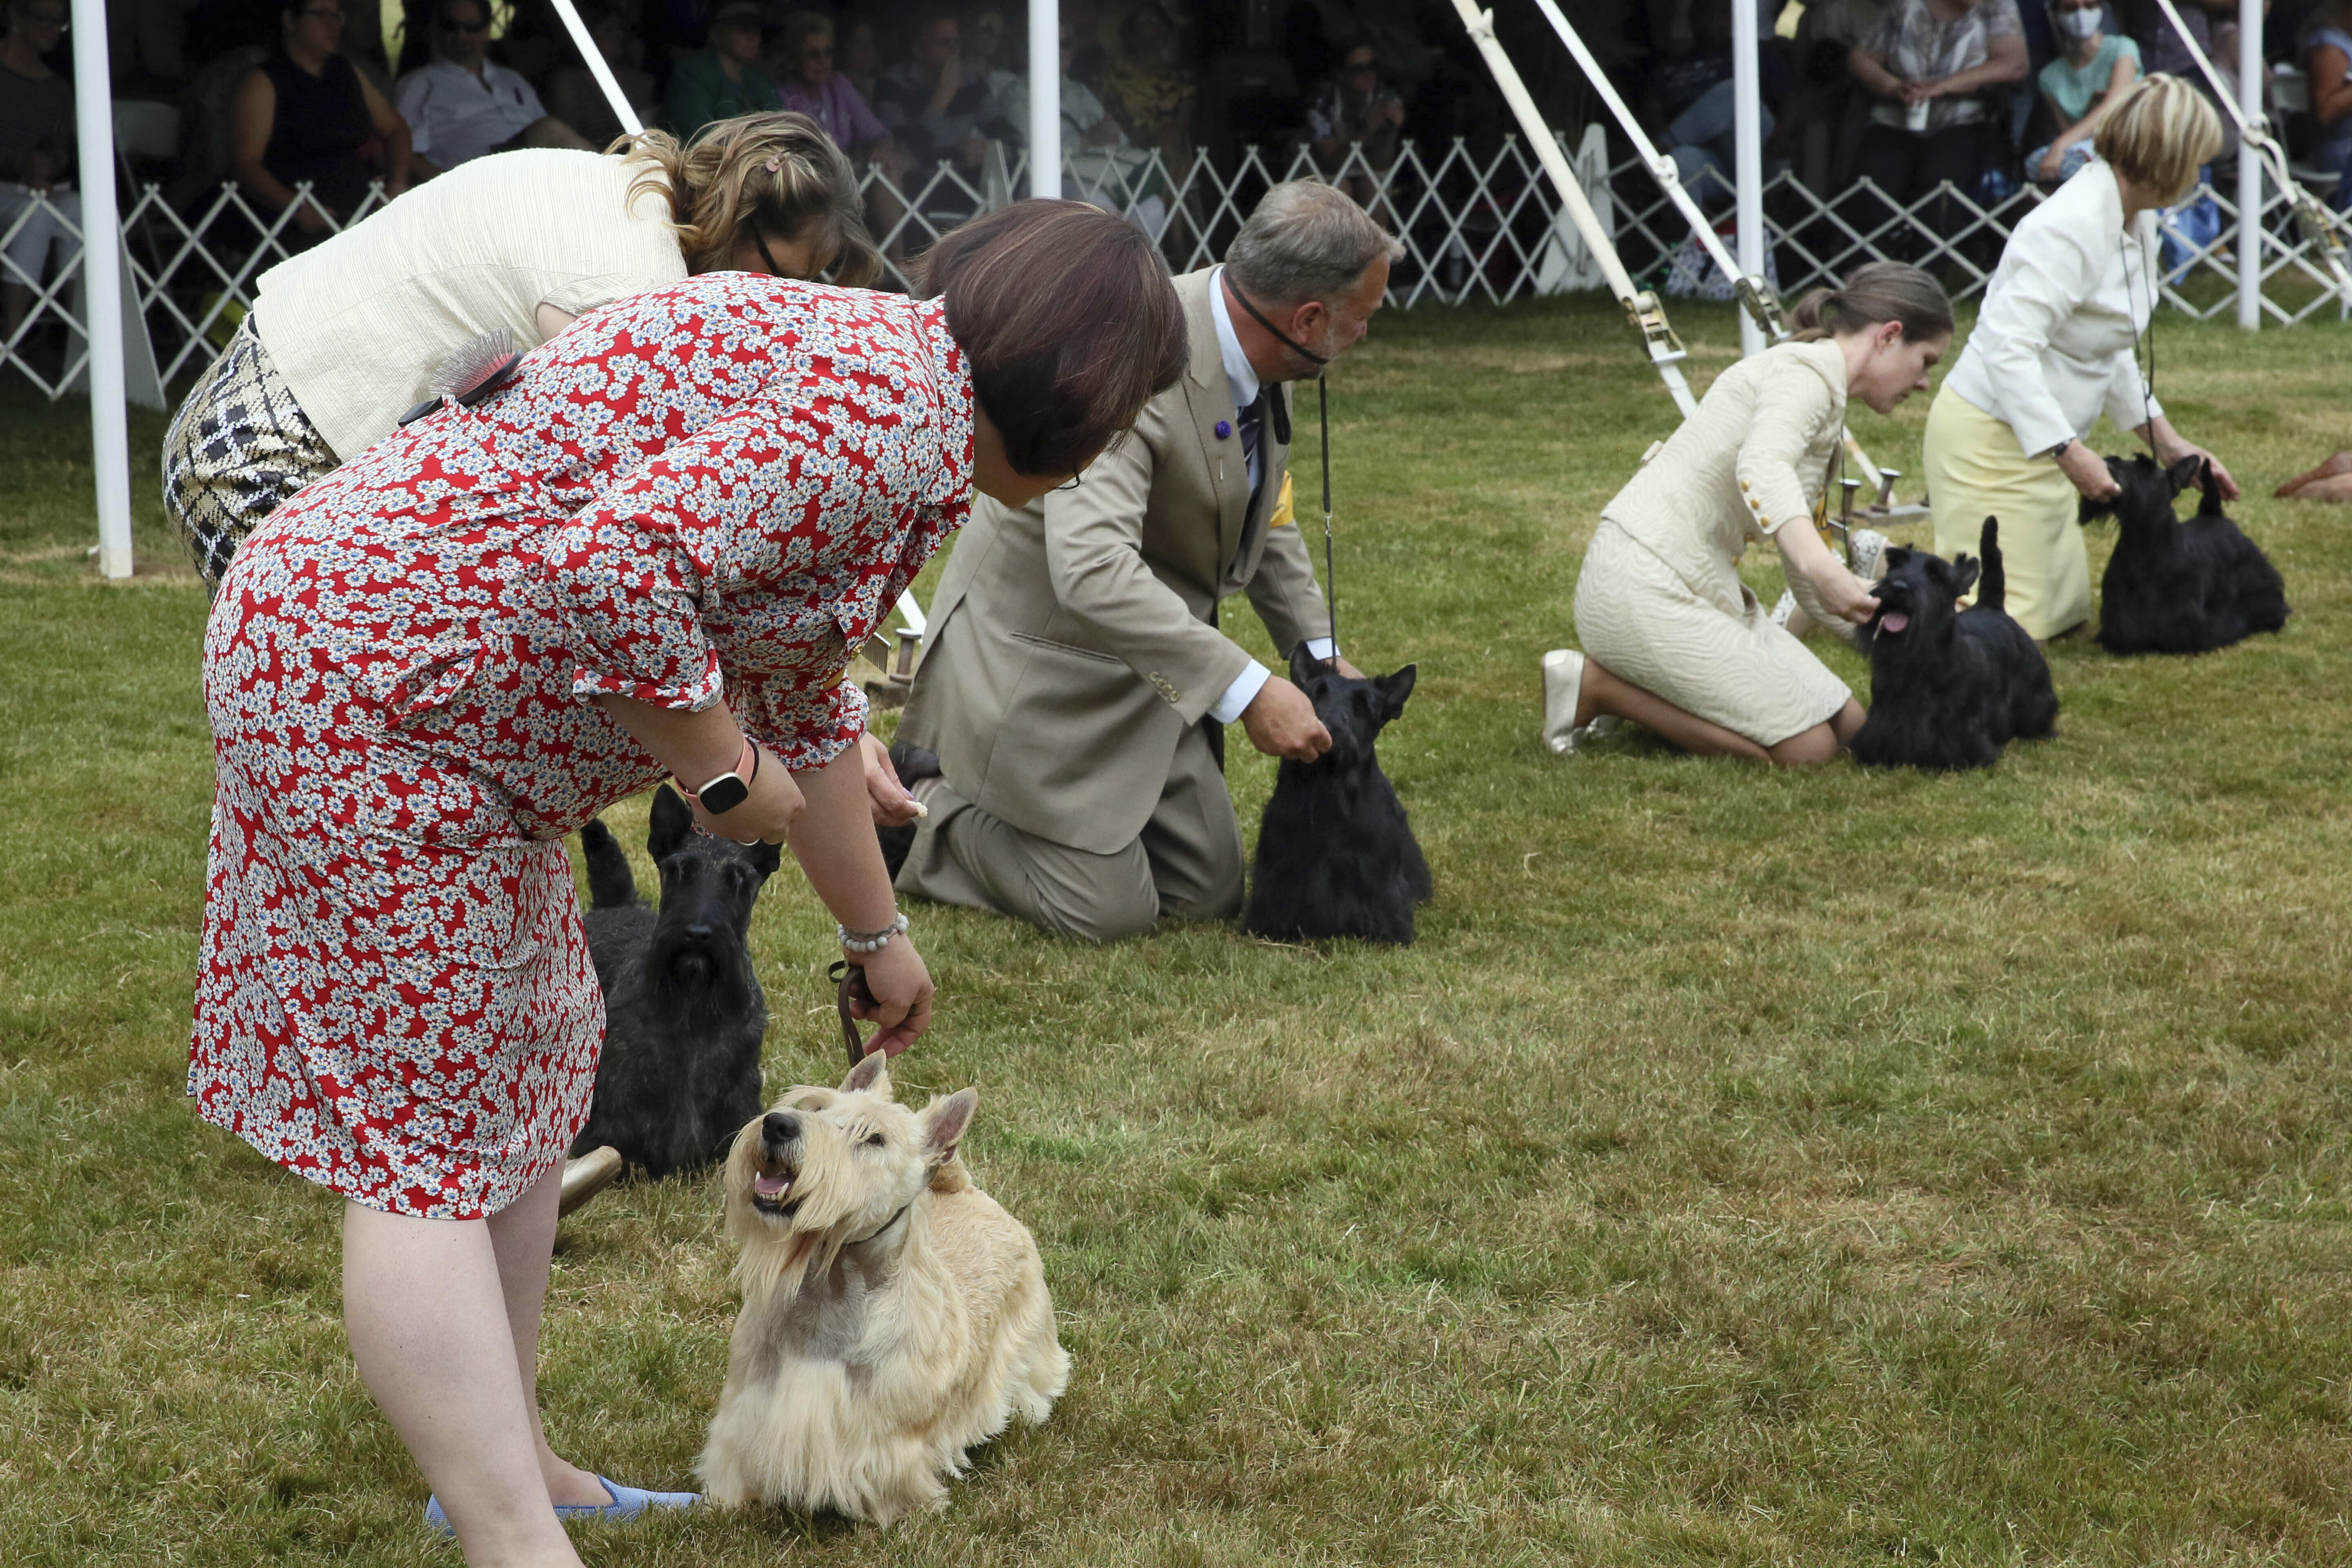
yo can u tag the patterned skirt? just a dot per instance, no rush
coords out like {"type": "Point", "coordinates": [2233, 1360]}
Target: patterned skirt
{"type": "Point", "coordinates": [238, 449]}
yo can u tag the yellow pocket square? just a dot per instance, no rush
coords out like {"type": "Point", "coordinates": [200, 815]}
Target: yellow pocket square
{"type": "Point", "coordinates": [1282, 512]}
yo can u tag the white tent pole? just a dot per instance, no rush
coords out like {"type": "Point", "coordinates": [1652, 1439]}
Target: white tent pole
{"type": "Point", "coordinates": [594, 58]}
{"type": "Point", "coordinates": [2250, 167]}
{"type": "Point", "coordinates": [101, 260]}
{"type": "Point", "coordinates": [1045, 98]}
{"type": "Point", "coordinates": [1647, 315]}
{"type": "Point", "coordinates": [1748, 158]}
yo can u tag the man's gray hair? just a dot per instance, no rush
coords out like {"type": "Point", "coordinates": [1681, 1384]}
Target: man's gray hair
{"type": "Point", "coordinates": [1306, 240]}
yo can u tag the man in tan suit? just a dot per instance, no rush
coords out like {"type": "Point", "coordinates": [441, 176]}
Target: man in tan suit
{"type": "Point", "coordinates": [1076, 683]}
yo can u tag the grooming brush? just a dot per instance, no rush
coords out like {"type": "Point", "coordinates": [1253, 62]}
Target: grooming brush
{"type": "Point", "coordinates": [470, 374]}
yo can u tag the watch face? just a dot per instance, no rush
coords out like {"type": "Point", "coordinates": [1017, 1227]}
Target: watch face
{"type": "Point", "coordinates": [723, 795]}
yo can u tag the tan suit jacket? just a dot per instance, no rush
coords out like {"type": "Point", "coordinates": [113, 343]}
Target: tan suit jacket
{"type": "Point", "coordinates": [1074, 640]}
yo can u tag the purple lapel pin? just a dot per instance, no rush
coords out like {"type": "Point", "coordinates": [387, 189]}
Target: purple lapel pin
{"type": "Point", "coordinates": [1224, 428]}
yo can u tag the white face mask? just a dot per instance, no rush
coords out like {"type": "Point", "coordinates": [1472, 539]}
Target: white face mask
{"type": "Point", "coordinates": [2081, 24]}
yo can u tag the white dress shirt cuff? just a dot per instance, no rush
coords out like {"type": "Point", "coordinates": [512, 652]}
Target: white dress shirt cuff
{"type": "Point", "coordinates": [1240, 693]}
{"type": "Point", "coordinates": [1323, 648]}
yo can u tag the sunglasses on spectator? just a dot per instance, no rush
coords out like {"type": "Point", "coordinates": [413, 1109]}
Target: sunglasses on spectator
{"type": "Point", "coordinates": [317, 16]}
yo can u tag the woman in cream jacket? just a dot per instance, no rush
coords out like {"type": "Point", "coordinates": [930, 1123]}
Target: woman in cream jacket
{"type": "Point", "coordinates": [2053, 348]}
{"type": "Point", "coordinates": [1673, 639]}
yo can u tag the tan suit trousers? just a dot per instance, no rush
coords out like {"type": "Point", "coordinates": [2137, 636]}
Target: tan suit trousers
{"type": "Point", "coordinates": [1187, 862]}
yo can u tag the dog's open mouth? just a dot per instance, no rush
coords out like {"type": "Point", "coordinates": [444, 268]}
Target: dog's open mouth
{"type": "Point", "coordinates": [772, 1194]}
{"type": "Point", "coordinates": [1892, 623]}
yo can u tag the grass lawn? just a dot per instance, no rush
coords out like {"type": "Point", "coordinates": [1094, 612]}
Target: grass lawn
{"type": "Point", "coordinates": [1744, 1167]}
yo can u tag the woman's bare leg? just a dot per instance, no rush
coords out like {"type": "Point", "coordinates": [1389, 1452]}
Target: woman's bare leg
{"type": "Point", "coordinates": [522, 1235]}
{"type": "Point", "coordinates": [1604, 692]}
{"type": "Point", "coordinates": [426, 1309]}
{"type": "Point", "coordinates": [1819, 744]}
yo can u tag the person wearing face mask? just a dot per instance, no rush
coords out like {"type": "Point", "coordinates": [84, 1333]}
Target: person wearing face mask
{"type": "Point", "coordinates": [1673, 639]}
{"type": "Point", "coordinates": [2093, 71]}
{"type": "Point", "coordinates": [1076, 687]}
{"type": "Point", "coordinates": [2054, 347]}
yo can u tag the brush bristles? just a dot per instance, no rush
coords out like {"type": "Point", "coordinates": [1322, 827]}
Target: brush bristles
{"type": "Point", "coordinates": [472, 362]}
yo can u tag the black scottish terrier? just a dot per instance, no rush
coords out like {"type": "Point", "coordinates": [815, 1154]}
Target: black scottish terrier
{"type": "Point", "coordinates": [1335, 855]}
{"type": "Point", "coordinates": [1949, 688]}
{"type": "Point", "coordinates": [683, 1009]}
{"type": "Point", "coordinates": [2174, 586]}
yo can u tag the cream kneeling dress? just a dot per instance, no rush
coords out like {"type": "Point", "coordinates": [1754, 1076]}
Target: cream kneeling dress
{"type": "Point", "coordinates": [1659, 601]}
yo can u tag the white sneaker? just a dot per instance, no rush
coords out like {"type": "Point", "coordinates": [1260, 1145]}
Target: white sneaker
{"type": "Point", "coordinates": [1867, 554]}
{"type": "Point", "coordinates": [1563, 677]}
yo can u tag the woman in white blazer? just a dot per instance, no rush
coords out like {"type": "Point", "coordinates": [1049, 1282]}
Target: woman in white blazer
{"type": "Point", "coordinates": [2054, 347]}
{"type": "Point", "coordinates": [1673, 639]}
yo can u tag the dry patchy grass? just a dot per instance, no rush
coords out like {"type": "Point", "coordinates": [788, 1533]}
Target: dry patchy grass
{"type": "Point", "coordinates": [1744, 1168]}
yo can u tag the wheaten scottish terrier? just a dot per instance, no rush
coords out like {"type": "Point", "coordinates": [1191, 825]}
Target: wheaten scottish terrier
{"type": "Point", "coordinates": [893, 1315]}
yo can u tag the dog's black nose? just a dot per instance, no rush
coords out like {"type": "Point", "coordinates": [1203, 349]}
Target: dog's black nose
{"type": "Point", "coordinates": [699, 934]}
{"type": "Point", "coordinates": [780, 1127]}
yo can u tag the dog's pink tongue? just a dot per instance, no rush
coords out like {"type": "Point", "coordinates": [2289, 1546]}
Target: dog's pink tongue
{"type": "Point", "coordinates": [769, 1186]}
{"type": "Point", "coordinates": [1893, 621]}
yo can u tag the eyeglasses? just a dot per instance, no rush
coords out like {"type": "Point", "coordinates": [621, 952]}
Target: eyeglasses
{"type": "Point", "coordinates": [334, 16]}
{"type": "Point", "coordinates": [451, 25]}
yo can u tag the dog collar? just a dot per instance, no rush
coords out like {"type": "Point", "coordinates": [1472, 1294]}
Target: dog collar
{"type": "Point", "coordinates": [878, 1229]}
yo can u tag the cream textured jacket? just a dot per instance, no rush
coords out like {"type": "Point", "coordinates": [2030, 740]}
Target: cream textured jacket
{"type": "Point", "coordinates": [1756, 455]}
{"type": "Point", "coordinates": [2052, 346]}
{"type": "Point", "coordinates": [356, 325]}
{"type": "Point", "coordinates": [1076, 639]}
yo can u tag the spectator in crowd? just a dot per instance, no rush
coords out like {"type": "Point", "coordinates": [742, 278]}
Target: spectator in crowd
{"type": "Point", "coordinates": [2328, 44]}
{"type": "Point", "coordinates": [988, 53]}
{"type": "Point", "coordinates": [1356, 110]}
{"type": "Point", "coordinates": [1928, 63]}
{"type": "Point", "coordinates": [810, 86]}
{"type": "Point", "coordinates": [307, 115]}
{"type": "Point", "coordinates": [1152, 94]}
{"type": "Point", "coordinates": [2054, 348]}
{"type": "Point", "coordinates": [937, 103]}
{"type": "Point", "coordinates": [575, 98]}
{"type": "Point", "coordinates": [143, 40]}
{"type": "Point", "coordinates": [2212, 29]}
{"type": "Point", "coordinates": [465, 104]}
{"type": "Point", "coordinates": [858, 57]}
{"type": "Point", "coordinates": [1689, 98]}
{"type": "Point", "coordinates": [37, 154]}
{"type": "Point", "coordinates": [2079, 85]}
{"type": "Point", "coordinates": [724, 79]}
{"type": "Point", "coordinates": [1100, 164]}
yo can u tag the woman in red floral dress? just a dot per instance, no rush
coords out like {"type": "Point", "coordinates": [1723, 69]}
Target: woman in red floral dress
{"type": "Point", "coordinates": [648, 556]}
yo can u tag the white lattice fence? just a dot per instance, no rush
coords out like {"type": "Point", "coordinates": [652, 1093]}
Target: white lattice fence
{"type": "Point", "coordinates": [1475, 227]}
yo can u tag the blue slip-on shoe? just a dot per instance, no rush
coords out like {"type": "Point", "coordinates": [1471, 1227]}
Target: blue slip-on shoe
{"type": "Point", "coordinates": [627, 1502]}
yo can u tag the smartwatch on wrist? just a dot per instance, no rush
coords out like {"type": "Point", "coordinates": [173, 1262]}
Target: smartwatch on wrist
{"type": "Point", "coordinates": [2060, 449]}
{"type": "Point", "coordinates": [723, 794]}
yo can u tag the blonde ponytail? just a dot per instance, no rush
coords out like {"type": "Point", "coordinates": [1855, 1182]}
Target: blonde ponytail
{"type": "Point", "coordinates": [778, 175]}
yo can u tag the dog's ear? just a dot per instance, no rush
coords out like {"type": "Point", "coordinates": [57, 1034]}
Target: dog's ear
{"type": "Point", "coordinates": [764, 857]}
{"type": "Point", "coordinates": [1898, 556]}
{"type": "Point", "coordinates": [1964, 576]}
{"type": "Point", "coordinates": [943, 1123]}
{"type": "Point", "coordinates": [870, 1076]}
{"type": "Point", "coordinates": [2182, 474]}
{"type": "Point", "coordinates": [2210, 503]}
{"type": "Point", "coordinates": [1395, 689]}
{"type": "Point", "coordinates": [1303, 666]}
{"type": "Point", "coordinates": [672, 822]}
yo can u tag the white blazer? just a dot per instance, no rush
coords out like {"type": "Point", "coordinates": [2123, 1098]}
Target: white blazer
{"type": "Point", "coordinates": [2053, 345]}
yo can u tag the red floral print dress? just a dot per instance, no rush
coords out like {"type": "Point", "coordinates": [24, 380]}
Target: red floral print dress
{"type": "Point", "coordinates": [721, 487]}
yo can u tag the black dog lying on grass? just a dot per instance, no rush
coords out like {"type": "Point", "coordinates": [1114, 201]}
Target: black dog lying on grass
{"type": "Point", "coordinates": [2174, 586]}
{"type": "Point", "coordinates": [684, 1013]}
{"type": "Point", "coordinates": [1335, 855]}
{"type": "Point", "coordinates": [1949, 688]}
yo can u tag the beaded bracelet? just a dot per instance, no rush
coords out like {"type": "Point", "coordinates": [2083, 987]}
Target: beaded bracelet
{"type": "Point", "coordinates": [868, 941]}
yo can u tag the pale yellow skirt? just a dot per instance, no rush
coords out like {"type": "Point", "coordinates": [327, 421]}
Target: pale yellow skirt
{"type": "Point", "coordinates": [1975, 470]}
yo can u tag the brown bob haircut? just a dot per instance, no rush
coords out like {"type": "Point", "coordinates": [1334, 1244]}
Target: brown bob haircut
{"type": "Point", "coordinates": [1069, 321]}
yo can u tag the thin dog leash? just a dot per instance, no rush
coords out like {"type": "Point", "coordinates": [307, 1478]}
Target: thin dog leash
{"type": "Point", "coordinates": [2147, 375]}
{"type": "Point", "coordinates": [1331, 571]}
{"type": "Point", "coordinates": [850, 986]}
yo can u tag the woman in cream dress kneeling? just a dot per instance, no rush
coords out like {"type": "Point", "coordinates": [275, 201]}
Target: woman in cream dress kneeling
{"type": "Point", "coordinates": [1673, 639]}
